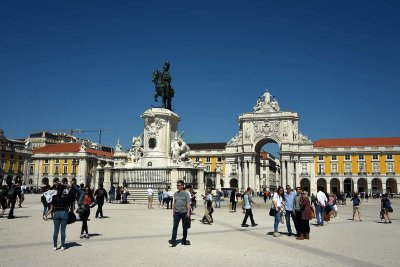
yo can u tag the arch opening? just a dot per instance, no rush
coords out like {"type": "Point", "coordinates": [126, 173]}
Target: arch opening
{"type": "Point", "coordinates": [267, 153]}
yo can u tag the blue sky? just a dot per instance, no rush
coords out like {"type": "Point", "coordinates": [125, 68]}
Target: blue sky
{"type": "Point", "coordinates": [88, 64]}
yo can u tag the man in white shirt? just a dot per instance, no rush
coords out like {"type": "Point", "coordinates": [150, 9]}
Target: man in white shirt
{"type": "Point", "coordinates": [150, 198]}
{"type": "Point", "coordinates": [320, 206]}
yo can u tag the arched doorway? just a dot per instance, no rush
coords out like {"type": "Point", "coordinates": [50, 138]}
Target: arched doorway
{"type": "Point", "coordinates": [233, 183]}
{"type": "Point", "coordinates": [348, 186]}
{"type": "Point", "coordinates": [362, 185]}
{"type": "Point", "coordinates": [335, 185]}
{"type": "Point", "coordinates": [305, 184]}
{"type": "Point", "coordinates": [376, 185]}
{"type": "Point", "coordinates": [391, 186]}
{"type": "Point", "coordinates": [267, 163]}
{"type": "Point", "coordinates": [321, 184]}
{"type": "Point", "coordinates": [222, 183]}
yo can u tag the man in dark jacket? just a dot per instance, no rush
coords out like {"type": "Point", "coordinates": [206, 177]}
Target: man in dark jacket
{"type": "Point", "coordinates": [12, 192]}
{"type": "Point", "coordinates": [100, 194]}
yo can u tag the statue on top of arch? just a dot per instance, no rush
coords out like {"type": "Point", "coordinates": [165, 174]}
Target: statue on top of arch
{"type": "Point", "coordinates": [265, 104]}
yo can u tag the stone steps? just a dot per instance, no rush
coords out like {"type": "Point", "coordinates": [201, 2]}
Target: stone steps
{"type": "Point", "coordinates": [138, 195]}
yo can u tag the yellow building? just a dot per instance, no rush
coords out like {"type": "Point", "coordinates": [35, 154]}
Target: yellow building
{"type": "Point", "coordinates": [358, 165]}
{"type": "Point", "coordinates": [14, 159]}
{"type": "Point", "coordinates": [211, 156]}
{"type": "Point", "coordinates": [64, 161]}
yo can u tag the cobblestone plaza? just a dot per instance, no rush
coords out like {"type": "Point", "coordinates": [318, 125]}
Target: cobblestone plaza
{"type": "Point", "coordinates": [133, 235]}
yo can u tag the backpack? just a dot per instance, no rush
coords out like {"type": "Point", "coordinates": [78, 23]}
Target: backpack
{"type": "Point", "coordinates": [10, 192]}
{"type": "Point", "coordinates": [356, 201]}
{"type": "Point", "coordinates": [100, 193]}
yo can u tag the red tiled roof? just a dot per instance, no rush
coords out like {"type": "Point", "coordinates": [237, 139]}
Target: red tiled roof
{"type": "Point", "coordinates": [358, 142]}
{"type": "Point", "coordinates": [70, 148]}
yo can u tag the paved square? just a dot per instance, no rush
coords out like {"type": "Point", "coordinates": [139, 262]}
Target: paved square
{"type": "Point", "coordinates": [133, 235]}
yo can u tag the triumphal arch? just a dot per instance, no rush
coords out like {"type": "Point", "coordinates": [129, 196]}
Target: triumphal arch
{"type": "Point", "coordinates": [268, 124]}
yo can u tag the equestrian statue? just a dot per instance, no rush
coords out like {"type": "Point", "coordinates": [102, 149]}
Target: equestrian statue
{"type": "Point", "coordinates": [162, 82]}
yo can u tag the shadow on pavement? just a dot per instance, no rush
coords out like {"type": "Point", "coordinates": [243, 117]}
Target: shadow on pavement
{"type": "Point", "coordinates": [72, 244]}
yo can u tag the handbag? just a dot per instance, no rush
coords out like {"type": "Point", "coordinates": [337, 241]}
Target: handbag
{"type": "Point", "coordinates": [71, 217]}
{"type": "Point", "coordinates": [188, 222]}
{"type": "Point", "coordinates": [272, 212]}
{"type": "Point", "coordinates": [390, 209]}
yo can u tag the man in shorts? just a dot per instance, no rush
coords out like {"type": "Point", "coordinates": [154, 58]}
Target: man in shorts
{"type": "Point", "coordinates": [150, 198]}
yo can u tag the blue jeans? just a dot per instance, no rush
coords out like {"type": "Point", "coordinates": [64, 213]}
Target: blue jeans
{"type": "Point", "coordinates": [277, 220]}
{"type": "Point", "coordinates": [287, 217]}
{"type": "Point", "coordinates": [218, 203]}
{"type": "Point", "coordinates": [45, 208]}
{"type": "Point", "coordinates": [320, 214]}
{"type": "Point", "coordinates": [177, 217]}
{"type": "Point", "coordinates": [60, 218]}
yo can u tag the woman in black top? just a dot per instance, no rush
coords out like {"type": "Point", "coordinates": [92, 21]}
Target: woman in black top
{"type": "Point", "coordinates": [60, 204]}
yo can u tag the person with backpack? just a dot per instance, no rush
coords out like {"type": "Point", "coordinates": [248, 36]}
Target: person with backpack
{"type": "Point", "coordinates": [386, 208]}
{"type": "Point", "coordinates": [44, 202]}
{"type": "Point", "coordinates": [208, 211]}
{"type": "Point", "coordinates": [100, 194]}
{"type": "Point", "coordinates": [356, 205]}
{"type": "Point", "coordinates": [84, 211]}
{"type": "Point", "coordinates": [12, 193]}
{"type": "Point", "coordinates": [60, 204]}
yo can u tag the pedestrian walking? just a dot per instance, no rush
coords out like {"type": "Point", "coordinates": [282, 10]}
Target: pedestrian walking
{"type": "Point", "coordinates": [111, 194]}
{"type": "Point", "coordinates": [277, 204]}
{"type": "Point", "coordinates": [208, 209]}
{"type": "Point", "coordinates": [100, 195]}
{"type": "Point", "coordinates": [60, 204]}
{"type": "Point", "coordinates": [356, 205]}
{"type": "Point", "coordinates": [3, 199]}
{"type": "Point", "coordinates": [386, 208]}
{"type": "Point", "coordinates": [150, 193]}
{"type": "Point", "coordinates": [13, 192]}
{"type": "Point", "coordinates": [233, 200]}
{"type": "Point", "coordinates": [88, 202]}
{"type": "Point", "coordinates": [320, 204]}
{"type": "Point", "coordinates": [218, 199]}
{"type": "Point", "coordinates": [159, 197]}
{"type": "Point", "coordinates": [248, 202]}
{"type": "Point", "coordinates": [181, 212]}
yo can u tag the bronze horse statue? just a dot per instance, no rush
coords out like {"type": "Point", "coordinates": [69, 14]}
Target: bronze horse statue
{"type": "Point", "coordinates": [163, 89]}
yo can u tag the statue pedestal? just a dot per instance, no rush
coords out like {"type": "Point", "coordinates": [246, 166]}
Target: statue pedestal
{"type": "Point", "coordinates": [160, 127]}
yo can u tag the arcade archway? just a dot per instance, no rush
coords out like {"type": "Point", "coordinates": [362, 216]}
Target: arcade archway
{"type": "Point", "coordinates": [362, 185]}
{"type": "Point", "coordinates": [348, 185]}
{"type": "Point", "coordinates": [305, 184]}
{"type": "Point", "coordinates": [391, 186]}
{"type": "Point", "coordinates": [376, 185]}
{"type": "Point", "coordinates": [335, 186]}
{"type": "Point", "coordinates": [321, 184]}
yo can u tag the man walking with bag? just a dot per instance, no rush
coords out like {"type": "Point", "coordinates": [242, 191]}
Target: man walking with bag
{"type": "Point", "coordinates": [181, 211]}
